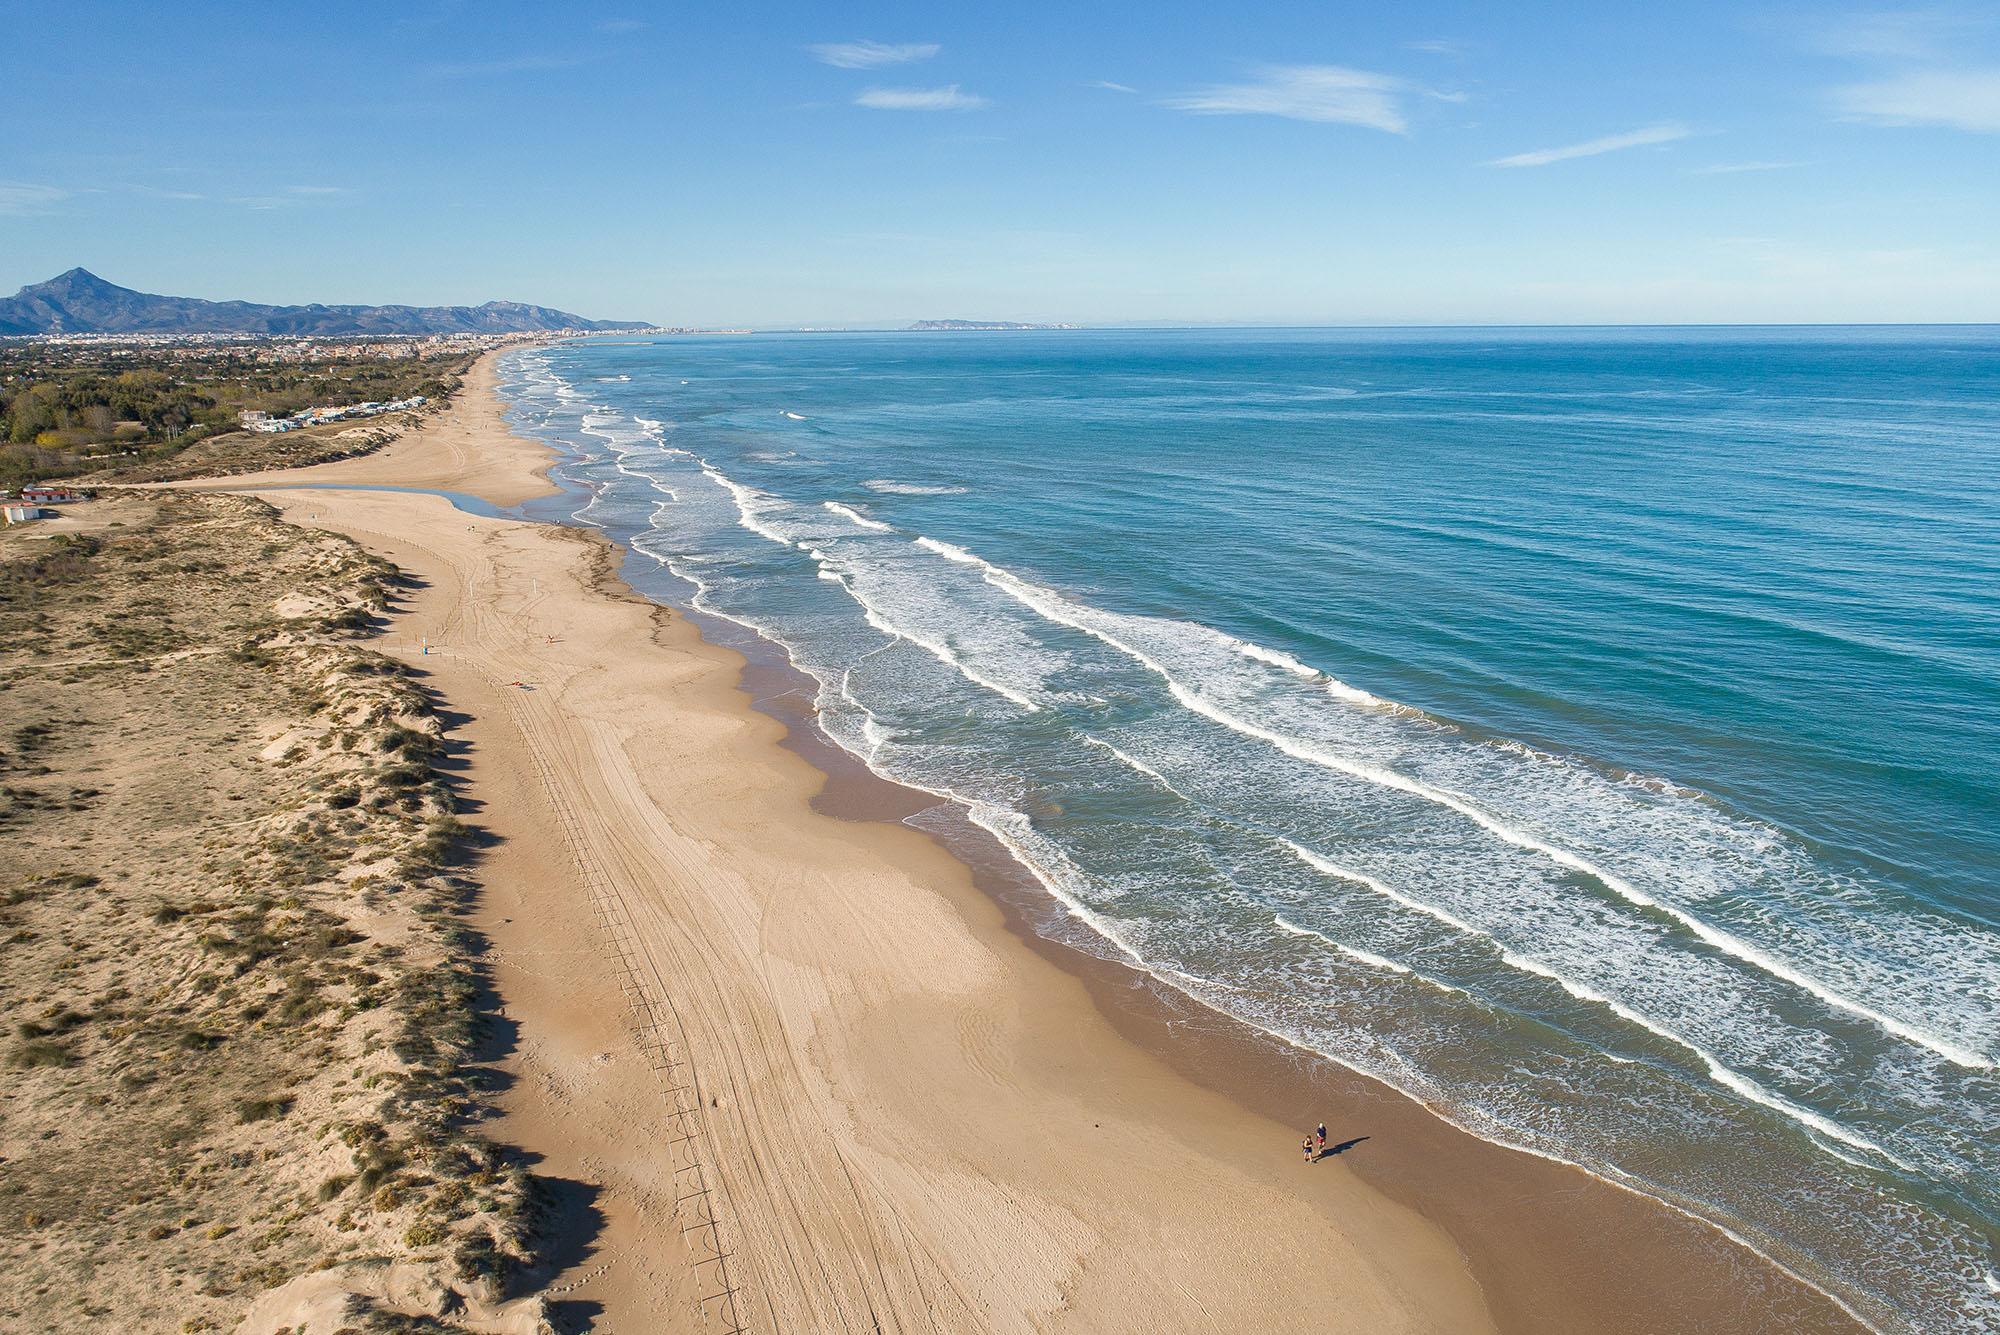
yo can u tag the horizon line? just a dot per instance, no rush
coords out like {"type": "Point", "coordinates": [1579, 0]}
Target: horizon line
{"type": "Point", "coordinates": [1051, 327]}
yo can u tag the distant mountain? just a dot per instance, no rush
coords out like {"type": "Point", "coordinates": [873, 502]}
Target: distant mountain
{"type": "Point", "coordinates": [79, 302]}
{"type": "Point", "coordinates": [983, 324]}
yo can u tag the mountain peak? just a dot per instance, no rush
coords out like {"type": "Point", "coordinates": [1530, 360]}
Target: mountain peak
{"type": "Point", "coordinates": [76, 280]}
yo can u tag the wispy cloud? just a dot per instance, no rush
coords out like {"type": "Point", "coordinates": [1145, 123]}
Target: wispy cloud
{"type": "Point", "coordinates": [1590, 148]}
{"type": "Point", "coordinates": [1733, 168]}
{"type": "Point", "coordinates": [1923, 67]}
{"type": "Point", "coordinates": [621, 25]}
{"type": "Point", "coordinates": [1331, 94]}
{"type": "Point", "coordinates": [316, 190]}
{"type": "Point", "coordinates": [518, 65]}
{"type": "Point", "coordinates": [1436, 47]}
{"type": "Point", "coordinates": [865, 55]}
{"type": "Point", "coordinates": [1109, 86]}
{"type": "Point", "coordinates": [1964, 99]}
{"type": "Point", "coordinates": [18, 199]}
{"type": "Point", "coordinates": [948, 98]}
{"type": "Point", "coordinates": [1886, 35]}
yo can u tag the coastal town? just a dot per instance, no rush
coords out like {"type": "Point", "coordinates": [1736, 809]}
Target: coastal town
{"type": "Point", "coordinates": [270, 350]}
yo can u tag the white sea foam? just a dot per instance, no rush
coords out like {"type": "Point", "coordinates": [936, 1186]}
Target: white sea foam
{"type": "Point", "coordinates": [1054, 607]}
{"type": "Point", "coordinates": [1068, 886]}
{"type": "Point", "coordinates": [774, 519]}
{"type": "Point", "coordinates": [1277, 658]}
{"type": "Point", "coordinates": [1732, 1080]}
{"type": "Point", "coordinates": [848, 512]}
{"type": "Point", "coordinates": [679, 567]}
{"type": "Point", "coordinates": [937, 648]}
{"type": "Point", "coordinates": [1369, 957]}
{"type": "Point", "coordinates": [872, 731]}
{"type": "Point", "coordinates": [752, 506]}
{"type": "Point", "coordinates": [1049, 866]}
{"type": "Point", "coordinates": [911, 488]}
{"type": "Point", "coordinates": [1333, 686]}
{"type": "Point", "coordinates": [953, 553]}
{"type": "Point", "coordinates": [1133, 763]}
{"type": "Point", "coordinates": [795, 417]}
{"type": "Point", "coordinates": [1327, 866]}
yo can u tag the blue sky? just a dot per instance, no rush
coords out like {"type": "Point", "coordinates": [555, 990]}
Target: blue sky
{"type": "Point", "coordinates": [1168, 161]}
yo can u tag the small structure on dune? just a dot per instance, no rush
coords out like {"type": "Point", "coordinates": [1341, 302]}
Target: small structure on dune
{"type": "Point", "coordinates": [20, 512]}
{"type": "Point", "coordinates": [261, 421]}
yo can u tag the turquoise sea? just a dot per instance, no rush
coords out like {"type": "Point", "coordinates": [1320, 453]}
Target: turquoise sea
{"type": "Point", "coordinates": [1594, 733]}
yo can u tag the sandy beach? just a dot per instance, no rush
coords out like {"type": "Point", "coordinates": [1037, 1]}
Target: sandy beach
{"type": "Point", "coordinates": [792, 1071]}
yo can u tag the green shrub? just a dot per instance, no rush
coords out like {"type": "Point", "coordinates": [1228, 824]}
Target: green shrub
{"type": "Point", "coordinates": [423, 1234]}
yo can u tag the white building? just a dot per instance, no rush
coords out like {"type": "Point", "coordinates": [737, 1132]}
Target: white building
{"type": "Point", "coordinates": [257, 421]}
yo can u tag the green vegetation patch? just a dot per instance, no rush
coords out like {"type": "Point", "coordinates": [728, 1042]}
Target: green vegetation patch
{"type": "Point", "coordinates": [68, 409]}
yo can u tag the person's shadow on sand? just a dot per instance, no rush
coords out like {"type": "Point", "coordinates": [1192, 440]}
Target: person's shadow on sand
{"type": "Point", "coordinates": [1327, 1152]}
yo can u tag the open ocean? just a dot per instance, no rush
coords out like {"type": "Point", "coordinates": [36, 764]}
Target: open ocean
{"type": "Point", "coordinates": [1593, 733]}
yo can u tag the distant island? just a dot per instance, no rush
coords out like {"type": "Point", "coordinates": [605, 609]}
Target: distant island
{"type": "Point", "coordinates": [934, 325]}
{"type": "Point", "coordinates": [79, 302]}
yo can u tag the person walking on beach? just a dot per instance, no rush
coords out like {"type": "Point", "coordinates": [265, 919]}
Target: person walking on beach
{"type": "Point", "coordinates": [1320, 1135]}
{"type": "Point", "coordinates": [1307, 1146]}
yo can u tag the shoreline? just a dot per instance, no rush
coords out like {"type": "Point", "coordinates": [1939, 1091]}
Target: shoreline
{"type": "Point", "coordinates": [1233, 1057]}
{"type": "Point", "coordinates": [1551, 1246]}
{"type": "Point", "coordinates": [1264, 1071]}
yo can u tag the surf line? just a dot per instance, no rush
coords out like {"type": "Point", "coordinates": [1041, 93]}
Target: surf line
{"type": "Point", "coordinates": [1369, 957]}
{"type": "Point", "coordinates": [1137, 765]}
{"type": "Point", "coordinates": [1729, 1078]}
{"type": "Point", "coordinates": [848, 512]}
{"type": "Point", "coordinates": [1053, 607]}
{"type": "Point", "coordinates": [994, 820]}
{"type": "Point", "coordinates": [830, 571]}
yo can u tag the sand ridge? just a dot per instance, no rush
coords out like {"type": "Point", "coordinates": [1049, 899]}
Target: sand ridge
{"type": "Point", "coordinates": [240, 1004]}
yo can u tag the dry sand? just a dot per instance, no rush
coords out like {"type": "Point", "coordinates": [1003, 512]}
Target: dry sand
{"type": "Point", "coordinates": [899, 1114]}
